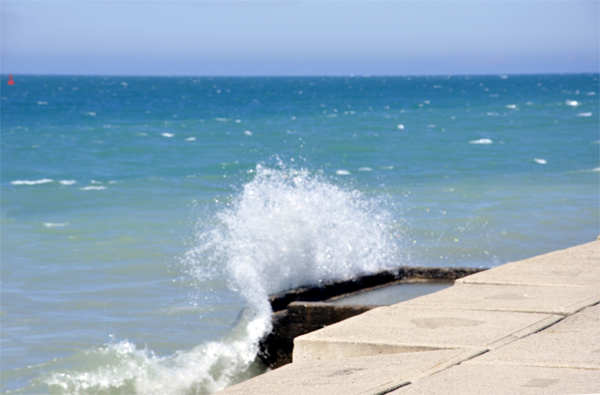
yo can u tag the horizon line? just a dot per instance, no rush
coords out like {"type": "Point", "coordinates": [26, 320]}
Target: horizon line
{"type": "Point", "coordinates": [294, 75]}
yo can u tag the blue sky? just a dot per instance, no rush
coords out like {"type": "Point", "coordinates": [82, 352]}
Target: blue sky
{"type": "Point", "coordinates": [299, 37]}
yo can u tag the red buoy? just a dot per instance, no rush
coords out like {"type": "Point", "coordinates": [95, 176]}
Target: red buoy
{"type": "Point", "coordinates": [10, 80]}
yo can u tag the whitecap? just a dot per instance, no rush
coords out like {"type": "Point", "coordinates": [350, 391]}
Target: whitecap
{"type": "Point", "coordinates": [42, 103]}
{"type": "Point", "coordinates": [91, 113]}
{"type": "Point", "coordinates": [92, 188]}
{"type": "Point", "coordinates": [190, 139]}
{"type": "Point", "coordinates": [68, 182]}
{"type": "Point", "coordinates": [342, 172]}
{"type": "Point", "coordinates": [400, 126]}
{"type": "Point", "coordinates": [32, 182]}
{"type": "Point", "coordinates": [481, 141]}
{"type": "Point", "coordinates": [238, 121]}
{"type": "Point", "coordinates": [541, 161]}
{"type": "Point", "coordinates": [572, 103]}
{"type": "Point", "coordinates": [584, 114]}
{"type": "Point", "coordinates": [387, 167]}
{"type": "Point", "coordinates": [169, 135]}
{"type": "Point", "coordinates": [512, 106]}
{"type": "Point", "coordinates": [56, 224]}
{"type": "Point", "coordinates": [248, 133]}
{"type": "Point", "coordinates": [492, 114]}
{"type": "Point", "coordinates": [365, 169]}
{"type": "Point", "coordinates": [591, 93]}
{"type": "Point", "coordinates": [221, 119]}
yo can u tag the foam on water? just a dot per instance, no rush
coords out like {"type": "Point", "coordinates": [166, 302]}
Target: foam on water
{"type": "Point", "coordinates": [93, 188]}
{"type": "Point", "coordinates": [31, 182]}
{"type": "Point", "coordinates": [55, 224]}
{"type": "Point", "coordinates": [481, 141]}
{"type": "Point", "coordinates": [122, 368]}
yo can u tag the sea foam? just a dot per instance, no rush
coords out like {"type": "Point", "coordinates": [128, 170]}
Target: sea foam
{"type": "Point", "coordinates": [32, 182]}
{"type": "Point", "coordinates": [481, 141]}
{"type": "Point", "coordinates": [93, 188]}
{"type": "Point", "coordinates": [56, 224]}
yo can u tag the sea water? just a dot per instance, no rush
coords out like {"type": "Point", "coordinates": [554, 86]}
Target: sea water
{"type": "Point", "coordinates": [145, 220]}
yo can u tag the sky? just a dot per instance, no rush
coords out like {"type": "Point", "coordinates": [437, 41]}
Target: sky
{"type": "Point", "coordinates": [295, 38]}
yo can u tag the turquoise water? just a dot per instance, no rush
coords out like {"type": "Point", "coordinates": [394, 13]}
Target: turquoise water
{"type": "Point", "coordinates": [144, 220]}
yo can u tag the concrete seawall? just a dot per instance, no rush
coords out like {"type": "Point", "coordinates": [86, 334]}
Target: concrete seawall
{"type": "Point", "coordinates": [304, 310]}
{"type": "Point", "coordinates": [527, 327]}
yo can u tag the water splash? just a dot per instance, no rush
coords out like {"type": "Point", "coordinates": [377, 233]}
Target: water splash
{"type": "Point", "coordinates": [289, 228]}
{"type": "Point", "coordinates": [286, 228]}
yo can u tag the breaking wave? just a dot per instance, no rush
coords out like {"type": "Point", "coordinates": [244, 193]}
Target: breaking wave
{"type": "Point", "coordinates": [285, 228]}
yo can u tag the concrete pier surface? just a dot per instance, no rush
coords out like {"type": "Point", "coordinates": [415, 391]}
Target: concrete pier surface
{"type": "Point", "coordinates": [527, 327]}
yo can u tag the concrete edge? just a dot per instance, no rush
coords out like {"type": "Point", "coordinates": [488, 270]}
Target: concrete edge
{"type": "Point", "coordinates": [576, 307]}
{"type": "Point", "coordinates": [467, 355]}
{"type": "Point", "coordinates": [533, 328]}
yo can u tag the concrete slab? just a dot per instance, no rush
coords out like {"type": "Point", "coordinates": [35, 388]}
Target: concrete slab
{"type": "Point", "coordinates": [493, 379]}
{"type": "Point", "coordinates": [400, 328]}
{"type": "Point", "coordinates": [523, 298]}
{"type": "Point", "coordinates": [584, 323]}
{"type": "Point", "coordinates": [363, 375]}
{"type": "Point", "coordinates": [575, 266]}
{"type": "Point", "coordinates": [547, 349]}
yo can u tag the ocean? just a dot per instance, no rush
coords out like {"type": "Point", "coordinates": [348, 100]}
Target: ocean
{"type": "Point", "coordinates": [144, 220]}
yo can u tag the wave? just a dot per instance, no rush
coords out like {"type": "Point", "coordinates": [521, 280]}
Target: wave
{"type": "Point", "coordinates": [481, 141]}
{"type": "Point", "coordinates": [123, 368]}
{"type": "Point", "coordinates": [32, 182]}
{"type": "Point", "coordinates": [284, 229]}
{"type": "Point", "coordinates": [55, 224]}
{"type": "Point", "coordinates": [93, 188]}
{"type": "Point", "coordinates": [289, 228]}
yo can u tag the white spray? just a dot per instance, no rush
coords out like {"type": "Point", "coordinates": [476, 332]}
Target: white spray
{"type": "Point", "coordinates": [286, 228]}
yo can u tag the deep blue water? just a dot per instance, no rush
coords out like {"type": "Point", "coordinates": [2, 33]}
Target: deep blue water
{"type": "Point", "coordinates": [140, 215]}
